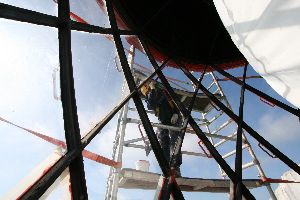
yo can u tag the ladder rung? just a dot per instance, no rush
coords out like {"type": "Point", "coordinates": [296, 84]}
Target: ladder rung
{"type": "Point", "coordinates": [210, 109]}
{"type": "Point", "coordinates": [233, 152]}
{"type": "Point", "coordinates": [190, 130]}
{"type": "Point", "coordinates": [148, 111]}
{"type": "Point", "coordinates": [204, 124]}
{"type": "Point", "coordinates": [183, 152]}
{"type": "Point", "coordinates": [158, 125]}
{"type": "Point", "coordinates": [210, 85]}
{"type": "Point", "coordinates": [222, 126]}
{"type": "Point", "coordinates": [225, 140]}
{"type": "Point", "coordinates": [216, 117]}
{"type": "Point", "coordinates": [133, 140]}
{"type": "Point", "coordinates": [212, 106]}
{"type": "Point", "coordinates": [245, 166]}
{"type": "Point", "coordinates": [215, 92]}
{"type": "Point", "coordinates": [200, 120]}
{"type": "Point", "coordinates": [220, 136]}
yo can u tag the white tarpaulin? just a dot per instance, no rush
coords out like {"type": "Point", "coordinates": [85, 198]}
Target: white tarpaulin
{"type": "Point", "coordinates": [267, 32]}
{"type": "Point", "coordinates": [288, 191]}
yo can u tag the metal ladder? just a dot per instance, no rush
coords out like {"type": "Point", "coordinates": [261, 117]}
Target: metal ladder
{"type": "Point", "coordinates": [114, 173]}
{"type": "Point", "coordinates": [246, 145]}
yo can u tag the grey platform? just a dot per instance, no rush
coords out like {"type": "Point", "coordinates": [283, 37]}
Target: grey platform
{"type": "Point", "coordinates": [134, 179]}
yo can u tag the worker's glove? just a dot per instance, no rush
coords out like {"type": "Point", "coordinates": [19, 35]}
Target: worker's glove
{"type": "Point", "coordinates": [174, 118]}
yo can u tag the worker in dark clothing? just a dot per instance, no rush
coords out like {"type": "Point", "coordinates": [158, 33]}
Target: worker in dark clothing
{"type": "Point", "coordinates": [167, 114]}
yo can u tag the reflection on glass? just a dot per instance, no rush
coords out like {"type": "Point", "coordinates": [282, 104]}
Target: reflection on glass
{"type": "Point", "coordinates": [31, 117]}
{"type": "Point", "coordinates": [34, 174]}
{"type": "Point", "coordinates": [89, 11]}
{"type": "Point", "coordinates": [98, 84]}
{"type": "Point", "coordinates": [60, 189]}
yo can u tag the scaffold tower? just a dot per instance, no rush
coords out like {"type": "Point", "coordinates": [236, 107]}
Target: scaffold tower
{"type": "Point", "coordinates": [135, 179]}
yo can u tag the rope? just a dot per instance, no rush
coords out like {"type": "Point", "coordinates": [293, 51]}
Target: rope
{"type": "Point", "coordinates": [85, 153]}
{"type": "Point", "coordinates": [77, 18]}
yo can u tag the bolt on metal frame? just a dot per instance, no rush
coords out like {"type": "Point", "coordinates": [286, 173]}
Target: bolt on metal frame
{"type": "Point", "coordinates": [73, 157]}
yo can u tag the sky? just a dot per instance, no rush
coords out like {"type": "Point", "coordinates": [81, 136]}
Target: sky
{"type": "Point", "coordinates": [29, 60]}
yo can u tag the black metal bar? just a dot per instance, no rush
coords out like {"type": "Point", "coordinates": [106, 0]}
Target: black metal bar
{"type": "Point", "coordinates": [239, 143]}
{"type": "Point", "coordinates": [248, 77]}
{"type": "Point", "coordinates": [137, 101]}
{"type": "Point", "coordinates": [258, 92]}
{"type": "Point", "coordinates": [41, 186]}
{"type": "Point", "coordinates": [24, 15]}
{"type": "Point", "coordinates": [77, 26]}
{"type": "Point", "coordinates": [72, 132]}
{"type": "Point", "coordinates": [174, 187]}
{"type": "Point", "coordinates": [245, 126]}
{"type": "Point", "coordinates": [231, 174]}
{"type": "Point", "coordinates": [181, 136]}
{"type": "Point", "coordinates": [166, 189]}
{"type": "Point", "coordinates": [33, 17]}
{"type": "Point", "coordinates": [179, 141]}
{"type": "Point", "coordinates": [171, 188]}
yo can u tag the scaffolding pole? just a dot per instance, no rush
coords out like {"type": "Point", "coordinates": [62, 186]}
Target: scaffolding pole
{"type": "Point", "coordinates": [113, 190]}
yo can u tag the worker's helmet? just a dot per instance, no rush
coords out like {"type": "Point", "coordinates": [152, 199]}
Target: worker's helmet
{"type": "Point", "coordinates": [145, 89]}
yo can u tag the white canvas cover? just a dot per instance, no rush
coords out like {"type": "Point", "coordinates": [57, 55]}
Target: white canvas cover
{"type": "Point", "coordinates": [267, 32]}
{"type": "Point", "coordinates": [289, 191]}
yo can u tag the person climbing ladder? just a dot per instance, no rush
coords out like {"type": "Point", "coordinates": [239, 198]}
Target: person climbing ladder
{"type": "Point", "coordinates": [158, 101]}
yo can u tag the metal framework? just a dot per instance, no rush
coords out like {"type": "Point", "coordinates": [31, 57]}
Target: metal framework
{"type": "Point", "coordinates": [73, 158]}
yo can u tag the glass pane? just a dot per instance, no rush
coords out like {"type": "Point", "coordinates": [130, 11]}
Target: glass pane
{"type": "Point", "coordinates": [98, 83]}
{"type": "Point", "coordinates": [60, 189]}
{"type": "Point", "coordinates": [90, 11]}
{"type": "Point", "coordinates": [31, 116]}
{"type": "Point", "coordinates": [46, 6]}
{"type": "Point", "coordinates": [97, 171]}
{"type": "Point", "coordinates": [17, 189]}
